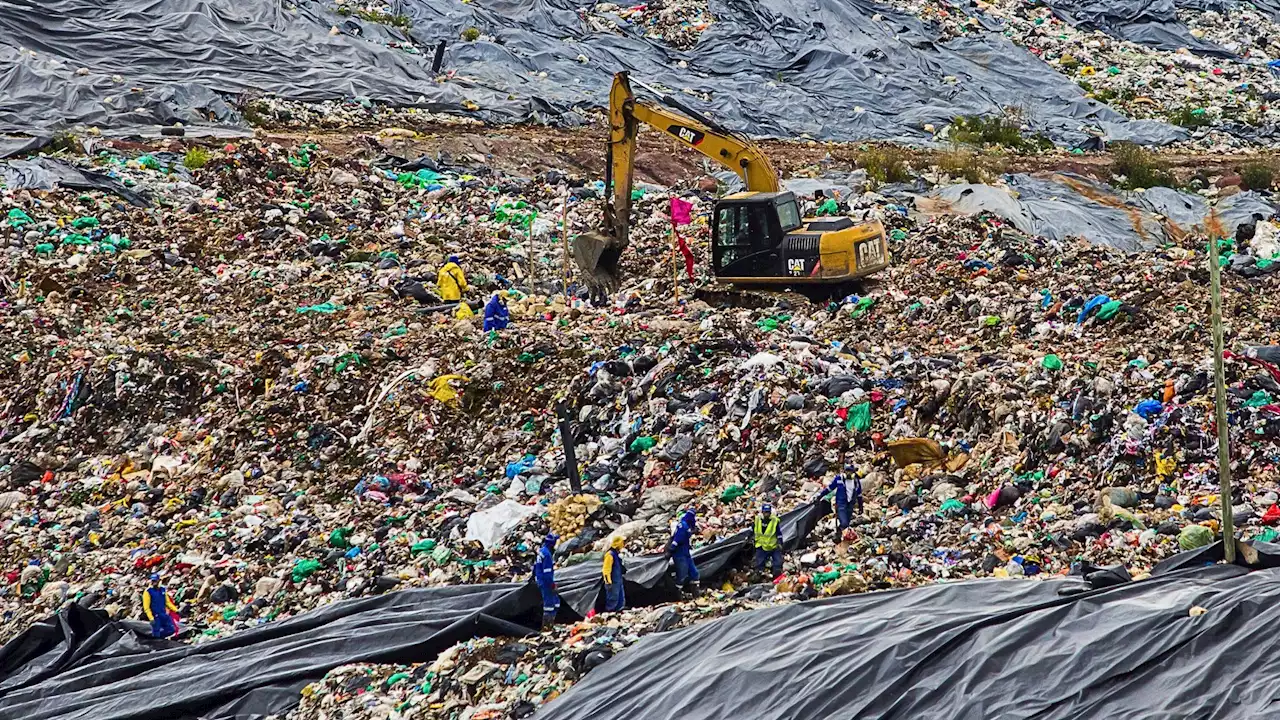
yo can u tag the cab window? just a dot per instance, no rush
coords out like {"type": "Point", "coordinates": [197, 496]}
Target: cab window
{"type": "Point", "coordinates": [788, 215]}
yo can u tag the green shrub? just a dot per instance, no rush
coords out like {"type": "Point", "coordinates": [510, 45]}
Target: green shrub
{"type": "Point", "coordinates": [885, 164]}
{"type": "Point", "coordinates": [1257, 176]}
{"type": "Point", "coordinates": [969, 165]}
{"type": "Point", "coordinates": [471, 34]}
{"type": "Point", "coordinates": [196, 158]}
{"type": "Point", "coordinates": [998, 131]}
{"type": "Point", "coordinates": [1139, 166]}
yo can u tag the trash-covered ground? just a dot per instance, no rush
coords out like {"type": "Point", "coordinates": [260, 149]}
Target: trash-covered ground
{"type": "Point", "coordinates": [227, 364]}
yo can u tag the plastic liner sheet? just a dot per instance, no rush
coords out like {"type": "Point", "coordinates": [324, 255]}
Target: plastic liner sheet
{"type": "Point", "coordinates": [1148, 22]}
{"type": "Point", "coordinates": [48, 173]}
{"type": "Point", "coordinates": [81, 665]}
{"type": "Point", "coordinates": [1057, 208]}
{"type": "Point", "coordinates": [829, 69]}
{"type": "Point", "coordinates": [981, 650]}
{"type": "Point", "coordinates": [1061, 206]}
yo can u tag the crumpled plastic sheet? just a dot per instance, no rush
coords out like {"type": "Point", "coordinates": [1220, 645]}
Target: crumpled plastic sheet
{"type": "Point", "coordinates": [855, 77]}
{"type": "Point", "coordinates": [983, 648]}
{"type": "Point", "coordinates": [80, 665]}
{"type": "Point", "coordinates": [1055, 208]}
{"type": "Point", "coordinates": [48, 173]}
{"type": "Point", "coordinates": [1149, 22]}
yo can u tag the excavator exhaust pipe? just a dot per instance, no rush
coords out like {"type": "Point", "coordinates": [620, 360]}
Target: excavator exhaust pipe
{"type": "Point", "coordinates": [597, 256]}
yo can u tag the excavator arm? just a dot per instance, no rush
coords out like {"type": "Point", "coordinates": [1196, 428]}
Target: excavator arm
{"type": "Point", "coordinates": [598, 253]}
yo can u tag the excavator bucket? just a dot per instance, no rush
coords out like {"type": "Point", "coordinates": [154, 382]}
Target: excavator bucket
{"type": "Point", "coordinates": [597, 255]}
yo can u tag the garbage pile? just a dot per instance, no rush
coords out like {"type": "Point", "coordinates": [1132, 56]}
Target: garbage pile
{"type": "Point", "coordinates": [496, 677]}
{"type": "Point", "coordinates": [235, 367]}
{"type": "Point", "coordinates": [1232, 91]}
{"type": "Point", "coordinates": [677, 23]}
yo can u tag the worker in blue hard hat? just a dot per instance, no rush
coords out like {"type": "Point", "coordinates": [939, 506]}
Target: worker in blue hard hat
{"type": "Point", "coordinates": [682, 553]}
{"type": "Point", "coordinates": [847, 487]}
{"type": "Point", "coordinates": [544, 574]}
{"type": "Point", "coordinates": [768, 542]}
{"type": "Point", "coordinates": [159, 609]}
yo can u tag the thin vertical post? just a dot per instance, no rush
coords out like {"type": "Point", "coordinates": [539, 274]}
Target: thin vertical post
{"type": "Point", "coordinates": [1220, 395]}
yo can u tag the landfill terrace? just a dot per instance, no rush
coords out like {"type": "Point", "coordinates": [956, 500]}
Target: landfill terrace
{"type": "Point", "coordinates": [227, 363]}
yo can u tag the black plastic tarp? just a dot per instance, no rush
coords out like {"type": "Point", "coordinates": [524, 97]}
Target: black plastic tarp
{"type": "Point", "coordinates": [980, 650]}
{"type": "Point", "coordinates": [1147, 22]}
{"type": "Point", "coordinates": [1062, 205]}
{"type": "Point", "coordinates": [47, 173]}
{"type": "Point", "coordinates": [832, 69]}
{"type": "Point", "coordinates": [81, 665]}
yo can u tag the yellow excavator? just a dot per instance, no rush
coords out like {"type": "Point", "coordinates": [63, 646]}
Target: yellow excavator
{"type": "Point", "coordinates": [757, 236]}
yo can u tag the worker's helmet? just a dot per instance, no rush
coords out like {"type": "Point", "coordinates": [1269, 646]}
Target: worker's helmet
{"type": "Point", "coordinates": [155, 577]}
{"type": "Point", "coordinates": [766, 508]}
{"type": "Point", "coordinates": [689, 517]}
{"type": "Point", "coordinates": [551, 539]}
{"type": "Point", "coordinates": [453, 258]}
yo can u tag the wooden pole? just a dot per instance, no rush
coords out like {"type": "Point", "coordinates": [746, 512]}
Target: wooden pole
{"type": "Point", "coordinates": [564, 232]}
{"type": "Point", "coordinates": [532, 219]}
{"type": "Point", "coordinates": [1220, 395]}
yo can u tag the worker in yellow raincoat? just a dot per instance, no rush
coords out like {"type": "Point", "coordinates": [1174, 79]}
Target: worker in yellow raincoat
{"type": "Point", "coordinates": [452, 282]}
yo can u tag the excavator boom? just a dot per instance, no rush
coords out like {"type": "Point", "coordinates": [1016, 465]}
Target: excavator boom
{"type": "Point", "coordinates": [758, 236]}
{"type": "Point", "coordinates": [598, 253]}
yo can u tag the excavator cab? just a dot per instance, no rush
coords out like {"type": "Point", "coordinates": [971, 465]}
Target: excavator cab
{"type": "Point", "coordinates": [759, 237]}
{"type": "Point", "coordinates": [746, 238]}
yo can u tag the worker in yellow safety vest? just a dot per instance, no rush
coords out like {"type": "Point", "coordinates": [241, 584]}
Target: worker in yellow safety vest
{"type": "Point", "coordinates": [451, 282]}
{"type": "Point", "coordinates": [767, 542]}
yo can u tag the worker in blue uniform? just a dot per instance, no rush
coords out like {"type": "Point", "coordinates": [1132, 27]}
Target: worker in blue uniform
{"type": "Point", "coordinates": [157, 605]}
{"type": "Point", "coordinates": [847, 487]}
{"type": "Point", "coordinates": [768, 543]}
{"type": "Point", "coordinates": [682, 553]}
{"type": "Point", "coordinates": [614, 597]}
{"type": "Point", "coordinates": [544, 574]}
{"type": "Point", "coordinates": [496, 315]}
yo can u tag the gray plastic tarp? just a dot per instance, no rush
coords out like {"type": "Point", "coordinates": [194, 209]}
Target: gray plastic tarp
{"type": "Point", "coordinates": [832, 69]}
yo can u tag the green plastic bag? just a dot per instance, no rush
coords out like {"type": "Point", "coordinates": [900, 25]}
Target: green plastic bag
{"type": "Point", "coordinates": [338, 538]}
{"type": "Point", "coordinates": [441, 554]}
{"type": "Point", "coordinates": [642, 443]}
{"type": "Point", "coordinates": [952, 506]}
{"type": "Point", "coordinates": [304, 569]}
{"type": "Point", "coordinates": [1051, 362]}
{"type": "Point", "coordinates": [1258, 399]}
{"type": "Point", "coordinates": [864, 305]}
{"type": "Point", "coordinates": [1109, 310]}
{"type": "Point", "coordinates": [84, 222]}
{"type": "Point", "coordinates": [1194, 536]}
{"type": "Point", "coordinates": [1268, 535]}
{"type": "Point", "coordinates": [731, 493]}
{"type": "Point", "coordinates": [860, 417]}
{"type": "Point", "coordinates": [18, 218]}
{"type": "Point", "coordinates": [828, 207]}
{"type": "Point", "coordinates": [422, 547]}
{"type": "Point", "coordinates": [820, 579]}
{"type": "Point", "coordinates": [323, 308]}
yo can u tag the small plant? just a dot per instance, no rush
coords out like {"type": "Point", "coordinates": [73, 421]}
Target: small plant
{"type": "Point", "coordinates": [1257, 176]}
{"type": "Point", "coordinates": [471, 34]}
{"type": "Point", "coordinates": [1139, 166]}
{"type": "Point", "coordinates": [885, 164]}
{"type": "Point", "coordinates": [969, 165]}
{"type": "Point", "coordinates": [66, 142]}
{"type": "Point", "coordinates": [1190, 117]}
{"type": "Point", "coordinates": [344, 11]}
{"type": "Point", "coordinates": [196, 158]}
{"type": "Point", "coordinates": [984, 131]}
{"type": "Point", "coordinates": [256, 113]}
{"type": "Point", "coordinates": [382, 18]}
